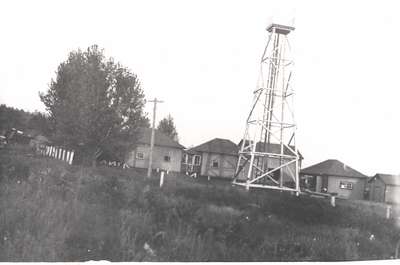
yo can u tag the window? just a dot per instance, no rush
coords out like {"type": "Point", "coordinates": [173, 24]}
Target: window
{"type": "Point", "coordinates": [214, 164]}
{"type": "Point", "coordinates": [346, 185]}
{"type": "Point", "coordinates": [139, 155]}
{"type": "Point", "coordinates": [167, 159]}
{"type": "Point", "coordinates": [197, 160]}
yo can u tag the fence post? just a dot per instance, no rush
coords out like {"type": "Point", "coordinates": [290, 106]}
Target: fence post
{"type": "Point", "coordinates": [388, 211]}
{"type": "Point", "coordinates": [162, 179]}
{"type": "Point", "coordinates": [71, 157]}
{"type": "Point", "coordinates": [333, 203]}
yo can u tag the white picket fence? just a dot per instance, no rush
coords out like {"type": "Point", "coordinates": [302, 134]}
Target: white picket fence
{"type": "Point", "coordinates": [58, 153]}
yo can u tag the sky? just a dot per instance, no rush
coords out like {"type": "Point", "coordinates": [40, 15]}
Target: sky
{"type": "Point", "coordinates": [202, 59]}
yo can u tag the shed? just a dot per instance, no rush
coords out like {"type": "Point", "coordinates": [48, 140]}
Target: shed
{"type": "Point", "coordinates": [167, 153]}
{"type": "Point", "coordinates": [333, 176]}
{"type": "Point", "coordinates": [217, 157]}
{"type": "Point", "coordinates": [385, 188]}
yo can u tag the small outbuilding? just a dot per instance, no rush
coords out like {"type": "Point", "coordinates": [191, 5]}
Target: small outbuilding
{"type": "Point", "coordinates": [215, 158]}
{"type": "Point", "coordinates": [385, 188]}
{"type": "Point", "coordinates": [167, 153]}
{"type": "Point", "coordinates": [333, 176]}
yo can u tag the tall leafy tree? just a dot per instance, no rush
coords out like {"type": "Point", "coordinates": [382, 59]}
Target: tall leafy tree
{"type": "Point", "coordinates": [167, 126]}
{"type": "Point", "coordinates": [96, 104]}
{"type": "Point", "coordinates": [41, 123]}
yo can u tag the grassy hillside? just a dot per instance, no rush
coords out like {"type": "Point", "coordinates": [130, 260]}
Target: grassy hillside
{"type": "Point", "coordinates": [50, 211]}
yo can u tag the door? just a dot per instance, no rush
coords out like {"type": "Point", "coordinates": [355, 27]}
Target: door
{"type": "Point", "coordinates": [324, 185]}
{"type": "Point", "coordinates": [378, 194]}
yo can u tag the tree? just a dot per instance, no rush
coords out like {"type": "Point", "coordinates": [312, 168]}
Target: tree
{"type": "Point", "coordinates": [40, 122]}
{"type": "Point", "coordinates": [96, 104]}
{"type": "Point", "coordinates": [12, 118]}
{"type": "Point", "coordinates": [167, 126]}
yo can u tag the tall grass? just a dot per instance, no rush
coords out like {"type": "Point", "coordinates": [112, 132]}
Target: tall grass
{"type": "Point", "coordinates": [50, 211]}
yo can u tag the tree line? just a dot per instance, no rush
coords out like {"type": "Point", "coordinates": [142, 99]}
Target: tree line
{"type": "Point", "coordinates": [23, 120]}
{"type": "Point", "coordinates": [93, 104]}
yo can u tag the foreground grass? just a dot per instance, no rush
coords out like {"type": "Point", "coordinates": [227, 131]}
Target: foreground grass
{"type": "Point", "coordinates": [54, 212]}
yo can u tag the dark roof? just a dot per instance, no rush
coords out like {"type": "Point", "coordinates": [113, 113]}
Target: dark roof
{"type": "Point", "coordinates": [160, 139]}
{"type": "Point", "coordinates": [272, 148]}
{"type": "Point", "coordinates": [387, 179]}
{"type": "Point", "coordinates": [281, 29]}
{"type": "Point", "coordinates": [332, 167]}
{"type": "Point", "coordinates": [217, 145]}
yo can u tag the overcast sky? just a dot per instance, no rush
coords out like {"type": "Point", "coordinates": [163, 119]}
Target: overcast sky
{"type": "Point", "coordinates": [202, 59]}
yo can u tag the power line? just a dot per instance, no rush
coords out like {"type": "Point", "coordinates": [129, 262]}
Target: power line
{"type": "Point", "coordinates": [155, 101]}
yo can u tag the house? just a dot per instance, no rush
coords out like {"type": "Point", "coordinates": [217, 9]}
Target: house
{"type": "Point", "coordinates": [167, 153]}
{"type": "Point", "coordinates": [215, 158]}
{"type": "Point", "coordinates": [333, 176]}
{"type": "Point", "coordinates": [273, 162]}
{"type": "Point", "coordinates": [384, 188]}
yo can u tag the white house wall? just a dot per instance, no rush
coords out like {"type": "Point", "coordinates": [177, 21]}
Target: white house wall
{"type": "Point", "coordinates": [226, 165]}
{"type": "Point", "coordinates": [158, 157]}
{"type": "Point", "coordinates": [356, 193]}
{"type": "Point", "coordinates": [392, 194]}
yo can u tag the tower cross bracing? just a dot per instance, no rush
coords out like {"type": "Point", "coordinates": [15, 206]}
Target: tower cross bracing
{"type": "Point", "coordinates": [268, 156]}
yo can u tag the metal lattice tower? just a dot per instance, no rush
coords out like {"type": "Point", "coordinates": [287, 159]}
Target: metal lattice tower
{"type": "Point", "coordinates": [268, 156]}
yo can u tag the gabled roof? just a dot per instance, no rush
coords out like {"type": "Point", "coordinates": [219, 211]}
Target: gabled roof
{"type": "Point", "coordinates": [332, 167]}
{"type": "Point", "coordinates": [160, 139]}
{"type": "Point", "coordinates": [218, 146]}
{"type": "Point", "coordinates": [387, 179]}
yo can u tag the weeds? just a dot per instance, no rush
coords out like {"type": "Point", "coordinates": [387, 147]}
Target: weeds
{"type": "Point", "coordinates": [54, 212]}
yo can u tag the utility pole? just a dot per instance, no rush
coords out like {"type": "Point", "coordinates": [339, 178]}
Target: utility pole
{"type": "Point", "coordinates": [155, 101]}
